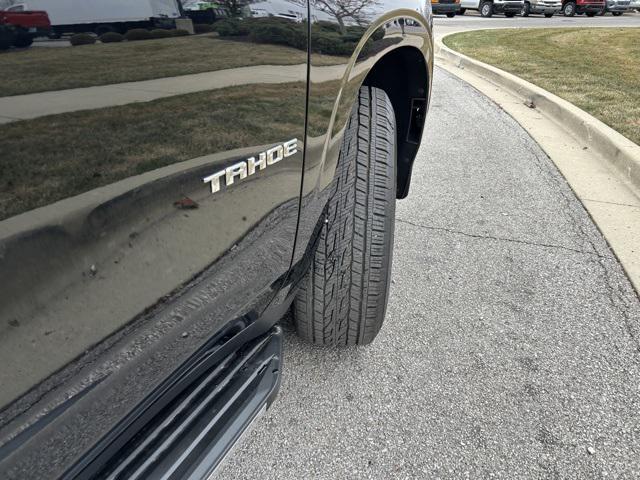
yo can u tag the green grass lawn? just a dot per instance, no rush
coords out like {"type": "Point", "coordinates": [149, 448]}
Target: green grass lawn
{"type": "Point", "coordinates": [596, 69]}
{"type": "Point", "coordinates": [40, 69]}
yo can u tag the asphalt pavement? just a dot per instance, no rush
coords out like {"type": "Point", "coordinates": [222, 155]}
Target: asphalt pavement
{"type": "Point", "coordinates": [511, 347]}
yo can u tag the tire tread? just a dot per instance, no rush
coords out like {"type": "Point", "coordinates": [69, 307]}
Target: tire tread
{"type": "Point", "coordinates": [342, 299]}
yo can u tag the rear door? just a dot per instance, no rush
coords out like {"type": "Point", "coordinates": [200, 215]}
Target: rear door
{"type": "Point", "coordinates": [148, 199]}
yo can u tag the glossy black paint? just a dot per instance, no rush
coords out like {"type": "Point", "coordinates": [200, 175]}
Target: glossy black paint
{"type": "Point", "coordinates": [118, 266]}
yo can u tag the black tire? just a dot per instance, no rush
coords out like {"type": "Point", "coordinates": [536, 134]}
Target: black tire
{"type": "Point", "coordinates": [7, 37]}
{"type": "Point", "coordinates": [462, 11]}
{"type": "Point", "coordinates": [23, 40]}
{"type": "Point", "coordinates": [343, 298]}
{"type": "Point", "coordinates": [548, 15]}
{"type": "Point", "coordinates": [451, 14]}
{"type": "Point", "coordinates": [486, 9]}
{"type": "Point", "coordinates": [569, 9]}
{"type": "Point", "coordinates": [616, 14]}
{"type": "Point", "coordinates": [526, 10]}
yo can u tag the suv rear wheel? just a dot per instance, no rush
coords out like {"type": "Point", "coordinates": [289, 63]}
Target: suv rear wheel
{"type": "Point", "coordinates": [569, 9]}
{"type": "Point", "coordinates": [486, 9]}
{"type": "Point", "coordinates": [343, 298]}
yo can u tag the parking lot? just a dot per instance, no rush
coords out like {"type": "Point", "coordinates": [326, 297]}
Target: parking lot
{"type": "Point", "coordinates": [511, 345]}
{"type": "Point", "coordinates": [472, 21]}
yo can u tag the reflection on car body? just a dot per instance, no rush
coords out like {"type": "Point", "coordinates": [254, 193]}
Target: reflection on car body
{"type": "Point", "coordinates": [119, 307]}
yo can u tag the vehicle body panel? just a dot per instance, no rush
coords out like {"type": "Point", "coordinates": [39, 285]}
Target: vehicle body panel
{"type": "Point", "coordinates": [587, 6]}
{"type": "Point", "coordinates": [499, 6]}
{"type": "Point", "coordinates": [26, 19]}
{"type": "Point", "coordinates": [618, 6]}
{"type": "Point", "coordinates": [110, 261]}
{"type": "Point", "coordinates": [445, 6]}
{"type": "Point", "coordinates": [545, 6]}
{"type": "Point", "coordinates": [125, 267]}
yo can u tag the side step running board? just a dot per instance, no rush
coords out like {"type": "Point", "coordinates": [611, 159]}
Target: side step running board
{"type": "Point", "coordinates": [191, 435]}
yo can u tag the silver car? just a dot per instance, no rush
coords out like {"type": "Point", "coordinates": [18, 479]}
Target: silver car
{"type": "Point", "coordinates": [618, 7]}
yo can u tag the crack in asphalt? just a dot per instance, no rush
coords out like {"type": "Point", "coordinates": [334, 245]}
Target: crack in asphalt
{"type": "Point", "coordinates": [616, 297]}
{"type": "Point", "coordinates": [619, 301]}
{"type": "Point", "coordinates": [549, 173]}
{"type": "Point", "coordinates": [500, 239]}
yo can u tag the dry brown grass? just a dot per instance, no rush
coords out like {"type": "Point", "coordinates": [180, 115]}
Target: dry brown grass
{"type": "Point", "coordinates": [597, 69]}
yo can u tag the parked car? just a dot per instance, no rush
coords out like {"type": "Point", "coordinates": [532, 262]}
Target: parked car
{"type": "Point", "coordinates": [487, 8]}
{"type": "Point", "coordinates": [635, 5]}
{"type": "Point", "coordinates": [548, 8]}
{"type": "Point", "coordinates": [163, 207]}
{"type": "Point", "coordinates": [588, 7]}
{"type": "Point", "coordinates": [447, 7]}
{"type": "Point", "coordinates": [18, 28]}
{"type": "Point", "coordinates": [618, 7]}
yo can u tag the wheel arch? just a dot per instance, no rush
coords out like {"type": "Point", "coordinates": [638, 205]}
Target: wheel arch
{"type": "Point", "coordinates": [403, 75]}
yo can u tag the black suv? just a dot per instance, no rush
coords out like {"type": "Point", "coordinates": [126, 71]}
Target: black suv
{"type": "Point", "coordinates": [166, 197]}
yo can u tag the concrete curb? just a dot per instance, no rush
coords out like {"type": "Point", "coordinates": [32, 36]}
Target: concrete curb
{"type": "Point", "coordinates": [619, 151]}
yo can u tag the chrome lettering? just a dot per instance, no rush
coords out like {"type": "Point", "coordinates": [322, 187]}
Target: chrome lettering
{"type": "Point", "coordinates": [248, 167]}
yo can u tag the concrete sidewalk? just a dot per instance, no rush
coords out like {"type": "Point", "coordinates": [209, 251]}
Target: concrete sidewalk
{"type": "Point", "coordinates": [23, 107]}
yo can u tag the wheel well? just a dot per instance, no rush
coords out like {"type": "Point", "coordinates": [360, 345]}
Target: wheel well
{"type": "Point", "coordinates": [402, 74]}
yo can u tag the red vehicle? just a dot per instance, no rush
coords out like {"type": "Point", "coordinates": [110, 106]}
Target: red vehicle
{"type": "Point", "coordinates": [18, 29]}
{"type": "Point", "coordinates": [588, 7]}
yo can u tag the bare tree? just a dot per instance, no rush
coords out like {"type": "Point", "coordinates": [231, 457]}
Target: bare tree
{"type": "Point", "coordinates": [234, 7]}
{"type": "Point", "coordinates": [345, 9]}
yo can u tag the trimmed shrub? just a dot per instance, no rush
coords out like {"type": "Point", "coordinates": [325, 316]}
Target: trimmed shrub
{"type": "Point", "coordinates": [111, 37]}
{"type": "Point", "coordinates": [323, 25]}
{"type": "Point", "coordinates": [332, 44]}
{"type": "Point", "coordinates": [351, 37]}
{"type": "Point", "coordinates": [179, 32]}
{"type": "Point", "coordinates": [231, 27]}
{"type": "Point", "coordinates": [203, 28]}
{"type": "Point", "coordinates": [355, 30]}
{"type": "Point", "coordinates": [272, 33]}
{"type": "Point", "coordinates": [136, 34]}
{"type": "Point", "coordinates": [160, 33]}
{"type": "Point", "coordinates": [82, 39]}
